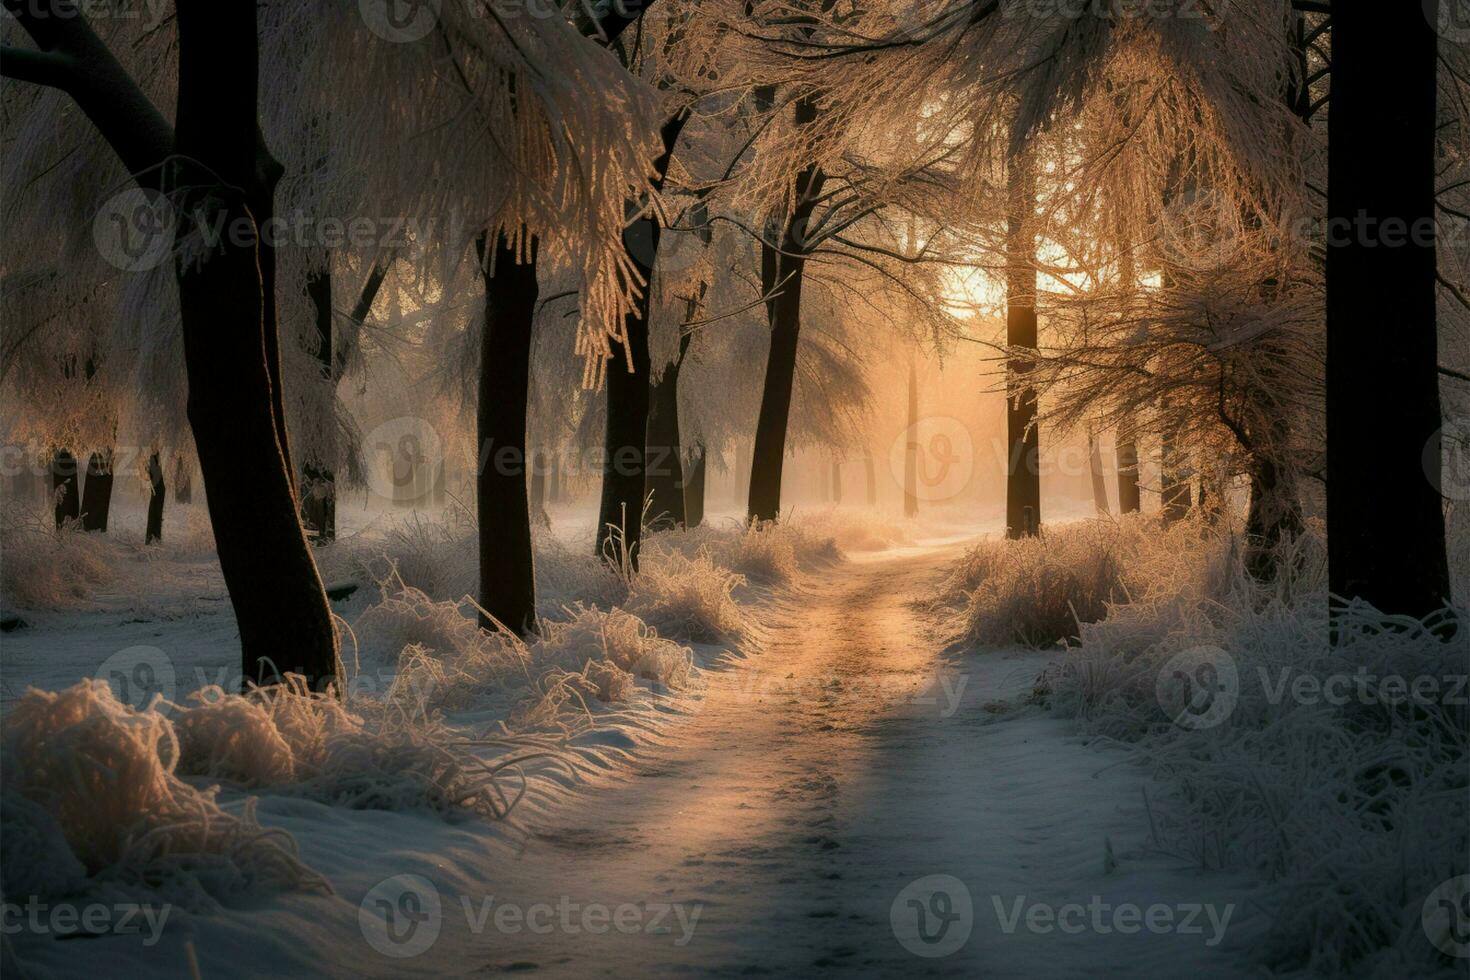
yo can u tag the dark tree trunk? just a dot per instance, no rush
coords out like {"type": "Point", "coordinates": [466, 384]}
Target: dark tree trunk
{"type": "Point", "coordinates": [222, 171]}
{"type": "Point", "coordinates": [97, 492]}
{"type": "Point", "coordinates": [911, 446]}
{"type": "Point", "coordinates": [66, 486]}
{"type": "Point", "coordinates": [769, 455]}
{"type": "Point", "coordinates": [1125, 451]}
{"type": "Point", "coordinates": [538, 487]}
{"type": "Point", "coordinates": [781, 281]}
{"type": "Point", "coordinates": [1099, 484]}
{"type": "Point", "coordinates": [836, 481]}
{"type": "Point", "coordinates": [215, 166]}
{"type": "Point", "coordinates": [664, 452]}
{"type": "Point", "coordinates": [1129, 501]}
{"type": "Point", "coordinates": [1023, 470]}
{"type": "Point", "coordinates": [183, 480]}
{"type": "Point", "coordinates": [507, 565]}
{"type": "Point", "coordinates": [694, 481]}
{"type": "Point", "coordinates": [319, 494]}
{"type": "Point", "coordinates": [620, 515]}
{"type": "Point", "coordinates": [1385, 519]}
{"type": "Point", "coordinates": [156, 492]}
{"type": "Point", "coordinates": [870, 472]}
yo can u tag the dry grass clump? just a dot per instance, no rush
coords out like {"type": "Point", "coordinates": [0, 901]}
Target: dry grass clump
{"type": "Point", "coordinates": [50, 568]}
{"type": "Point", "coordinates": [1313, 770]}
{"type": "Point", "coordinates": [95, 787]}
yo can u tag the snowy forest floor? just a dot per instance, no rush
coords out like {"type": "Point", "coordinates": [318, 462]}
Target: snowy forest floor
{"type": "Point", "coordinates": [850, 798]}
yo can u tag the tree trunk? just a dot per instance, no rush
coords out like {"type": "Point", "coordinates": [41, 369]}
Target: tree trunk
{"type": "Point", "coordinates": [221, 171]}
{"type": "Point", "coordinates": [319, 494]}
{"type": "Point", "coordinates": [620, 515]}
{"type": "Point", "coordinates": [66, 487]}
{"type": "Point", "coordinates": [538, 487]}
{"type": "Point", "coordinates": [1125, 450]}
{"type": "Point", "coordinates": [870, 472]}
{"type": "Point", "coordinates": [183, 480]}
{"type": "Point", "coordinates": [507, 565]}
{"type": "Point", "coordinates": [1099, 484]}
{"type": "Point", "coordinates": [97, 492]}
{"type": "Point", "coordinates": [1385, 519]}
{"type": "Point", "coordinates": [1129, 501]}
{"type": "Point", "coordinates": [1023, 470]}
{"type": "Point", "coordinates": [664, 480]}
{"type": "Point", "coordinates": [836, 481]}
{"type": "Point", "coordinates": [156, 492]}
{"type": "Point", "coordinates": [911, 446]}
{"type": "Point", "coordinates": [784, 310]}
{"type": "Point", "coordinates": [694, 480]}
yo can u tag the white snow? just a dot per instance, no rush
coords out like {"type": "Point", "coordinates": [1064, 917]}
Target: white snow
{"type": "Point", "coordinates": [766, 821]}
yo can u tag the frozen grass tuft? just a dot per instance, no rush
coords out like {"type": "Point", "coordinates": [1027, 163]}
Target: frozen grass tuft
{"type": "Point", "coordinates": [1348, 798]}
{"type": "Point", "coordinates": [691, 598]}
{"type": "Point", "coordinates": [47, 567]}
{"type": "Point", "coordinates": [1036, 591]}
{"type": "Point", "coordinates": [438, 714]}
{"type": "Point", "coordinates": [97, 784]}
{"type": "Point", "coordinates": [764, 555]}
{"type": "Point", "coordinates": [51, 569]}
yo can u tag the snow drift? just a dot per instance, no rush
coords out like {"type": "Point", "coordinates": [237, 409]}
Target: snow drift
{"type": "Point", "coordinates": [1320, 771]}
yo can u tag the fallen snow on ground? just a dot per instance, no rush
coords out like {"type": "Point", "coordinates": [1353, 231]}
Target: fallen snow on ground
{"type": "Point", "coordinates": [847, 796]}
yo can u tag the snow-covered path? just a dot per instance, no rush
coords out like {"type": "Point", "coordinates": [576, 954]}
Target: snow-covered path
{"type": "Point", "coordinates": [850, 800]}
{"type": "Point", "coordinates": [753, 810]}
{"type": "Point", "coordinates": [845, 761]}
